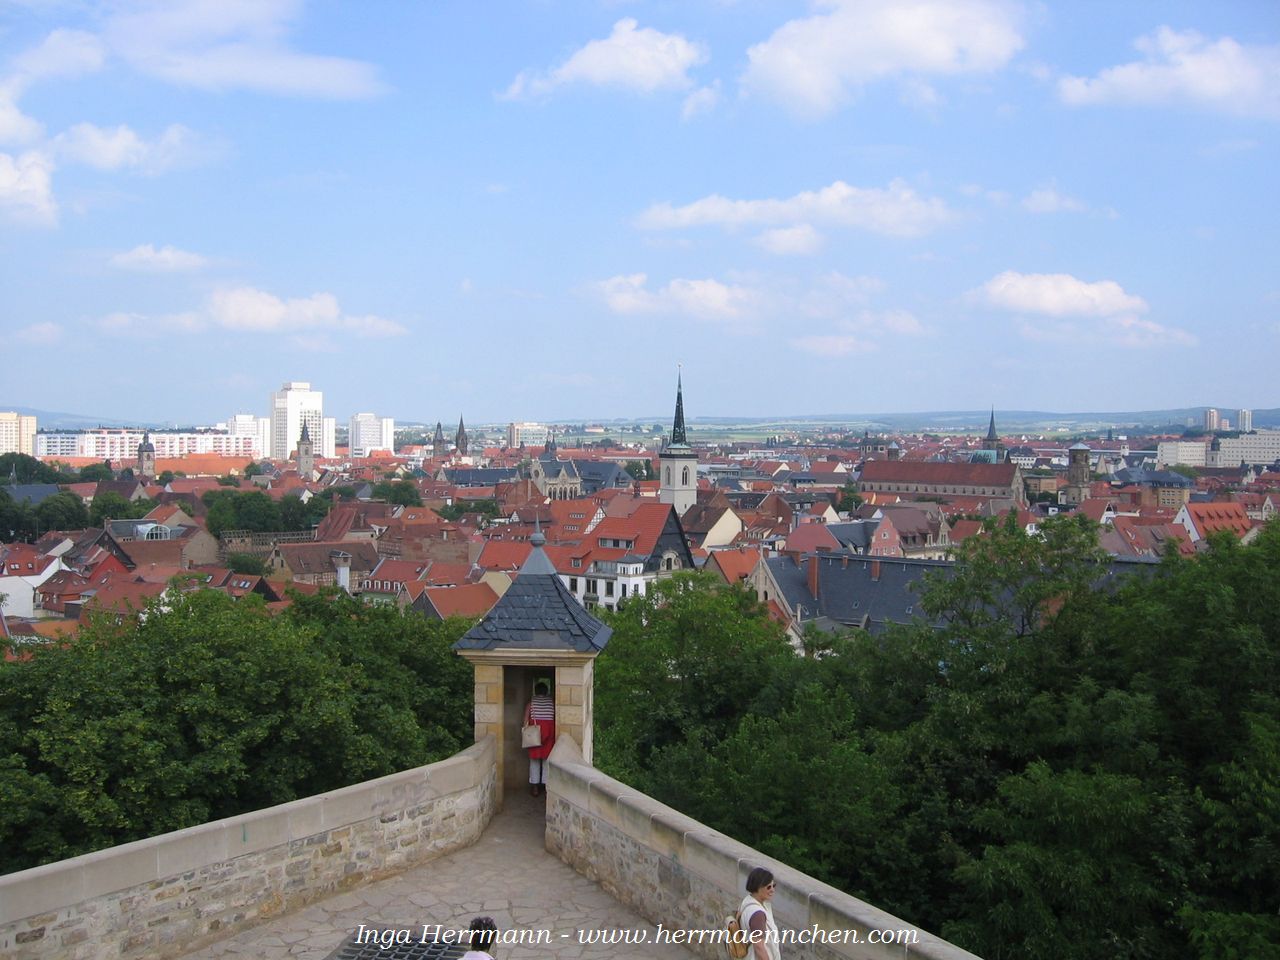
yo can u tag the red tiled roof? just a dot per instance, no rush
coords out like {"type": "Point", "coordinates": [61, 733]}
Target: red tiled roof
{"type": "Point", "coordinates": [504, 554]}
{"type": "Point", "coordinates": [1212, 517]}
{"type": "Point", "coordinates": [735, 565]}
{"type": "Point", "coordinates": [958, 474]}
{"type": "Point", "coordinates": [467, 600]}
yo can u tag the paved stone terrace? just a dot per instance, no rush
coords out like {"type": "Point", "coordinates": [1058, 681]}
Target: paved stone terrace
{"type": "Point", "coordinates": [507, 875]}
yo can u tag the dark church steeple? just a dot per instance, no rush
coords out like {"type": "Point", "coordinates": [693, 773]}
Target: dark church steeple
{"type": "Point", "coordinates": [678, 434]}
{"type": "Point", "coordinates": [460, 441]}
{"type": "Point", "coordinates": [991, 430]}
{"type": "Point", "coordinates": [437, 442]}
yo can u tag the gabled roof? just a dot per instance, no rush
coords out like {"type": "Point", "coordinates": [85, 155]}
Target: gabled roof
{"type": "Point", "coordinates": [537, 613]}
{"type": "Point", "coordinates": [734, 565]}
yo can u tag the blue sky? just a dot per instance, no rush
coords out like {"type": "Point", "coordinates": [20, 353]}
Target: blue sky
{"type": "Point", "coordinates": [534, 210]}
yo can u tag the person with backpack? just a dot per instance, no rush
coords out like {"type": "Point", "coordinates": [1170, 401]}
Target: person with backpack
{"type": "Point", "coordinates": [756, 915]}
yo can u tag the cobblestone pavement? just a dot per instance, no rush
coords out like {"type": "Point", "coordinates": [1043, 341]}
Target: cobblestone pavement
{"type": "Point", "coordinates": [506, 874]}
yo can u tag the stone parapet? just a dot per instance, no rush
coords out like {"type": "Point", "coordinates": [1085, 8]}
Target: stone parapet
{"type": "Point", "coordinates": [167, 895]}
{"type": "Point", "coordinates": [681, 874]}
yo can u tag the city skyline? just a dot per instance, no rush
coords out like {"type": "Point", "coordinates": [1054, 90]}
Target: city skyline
{"type": "Point", "coordinates": [813, 207]}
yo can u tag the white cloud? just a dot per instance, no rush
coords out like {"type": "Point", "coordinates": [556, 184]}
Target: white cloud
{"type": "Point", "coordinates": [1186, 67]}
{"type": "Point", "coordinates": [146, 258]}
{"type": "Point", "coordinates": [799, 240]}
{"type": "Point", "coordinates": [122, 148]}
{"type": "Point", "coordinates": [1058, 295]}
{"type": "Point", "coordinates": [703, 100]}
{"type": "Point", "coordinates": [900, 322]}
{"type": "Point", "coordinates": [635, 58]}
{"type": "Point", "coordinates": [16, 126]}
{"type": "Point", "coordinates": [248, 309]}
{"type": "Point", "coordinates": [816, 64]}
{"type": "Point", "coordinates": [832, 345]}
{"type": "Point", "coordinates": [707, 299]}
{"type": "Point", "coordinates": [233, 45]}
{"type": "Point", "coordinates": [63, 53]}
{"type": "Point", "coordinates": [896, 210]}
{"type": "Point", "coordinates": [40, 333]}
{"type": "Point", "coordinates": [1074, 311]}
{"type": "Point", "coordinates": [26, 193]}
{"type": "Point", "coordinates": [1048, 200]}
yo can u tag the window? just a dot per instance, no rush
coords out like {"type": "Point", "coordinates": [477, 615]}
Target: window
{"type": "Point", "coordinates": [608, 588]}
{"type": "Point", "coordinates": [684, 477]}
{"type": "Point", "coordinates": [573, 584]}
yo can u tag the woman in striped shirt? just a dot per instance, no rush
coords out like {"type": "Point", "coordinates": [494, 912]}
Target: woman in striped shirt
{"type": "Point", "coordinates": [542, 711]}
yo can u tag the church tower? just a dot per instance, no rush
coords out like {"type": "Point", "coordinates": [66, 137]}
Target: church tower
{"type": "Point", "coordinates": [437, 442]}
{"type": "Point", "coordinates": [146, 459]}
{"type": "Point", "coordinates": [992, 441]}
{"type": "Point", "coordinates": [678, 464]}
{"type": "Point", "coordinates": [306, 453]}
{"type": "Point", "coordinates": [460, 441]}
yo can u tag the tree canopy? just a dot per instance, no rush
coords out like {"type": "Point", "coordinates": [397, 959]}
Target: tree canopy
{"type": "Point", "coordinates": [1073, 765]}
{"type": "Point", "coordinates": [207, 707]}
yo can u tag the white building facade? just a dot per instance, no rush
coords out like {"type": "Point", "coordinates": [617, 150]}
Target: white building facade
{"type": "Point", "coordinates": [529, 433]}
{"type": "Point", "coordinates": [249, 425]}
{"type": "Point", "coordinates": [123, 444]}
{"type": "Point", "coordinates": [368, 432]}
{"type": "Point", "coordinates": [17, 433]}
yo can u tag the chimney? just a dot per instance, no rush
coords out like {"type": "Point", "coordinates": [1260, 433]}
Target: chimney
{"type": "Point", "coordinates": [813, 577]}
{"type": "Point", "coordinates": [875, 571]}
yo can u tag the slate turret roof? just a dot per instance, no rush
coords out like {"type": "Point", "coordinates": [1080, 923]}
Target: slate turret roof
{"type": "Point", "coordinates": [537, 613]}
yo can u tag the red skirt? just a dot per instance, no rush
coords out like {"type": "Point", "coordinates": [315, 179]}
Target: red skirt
{"type": "Point", "coordinates": [548, 728]}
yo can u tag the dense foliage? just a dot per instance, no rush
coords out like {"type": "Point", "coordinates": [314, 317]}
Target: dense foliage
{"type": "Point", "coordinates": [1072, 767]}
{"type": "Point", "coordinates": [234, 509]}
{"type": "Point", "coordinates": [207, 707]}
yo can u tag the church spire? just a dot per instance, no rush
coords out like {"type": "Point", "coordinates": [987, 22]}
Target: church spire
{"type": "Point", "coordinates": [306, 434]}
{"type": "Point", "coordinates": [460, 441]}
{"type": "Point", "coordinates": [991, 430]}
{"type": "Point", "coordinates": [678, 435]}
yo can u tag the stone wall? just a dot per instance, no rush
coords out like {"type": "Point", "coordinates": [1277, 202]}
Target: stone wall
{"type": "Point", "coordinates": [167, 895]}
{"type": "Point", "coordinates": [684, 875]}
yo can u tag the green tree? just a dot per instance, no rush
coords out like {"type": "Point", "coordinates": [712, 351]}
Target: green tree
{"type": "Point", "coordinates": [402, 492]}
{"type": "Point", "coordinates": [96, 472]}
{"type": "Point", "coordinates": [850, 499]}
{"type": "Point", "coordinates": [208, 707]}
{"type": "Point", "coordinates": [110, 505]}
{"type": "Point", "coordinates": [27, 469]}
{"type": "Point", "coordinates": [246, 563]}
{"type": "Point", "coordinates": [686, 660]}
{"type": "Point", "coordinates": [62, 511]}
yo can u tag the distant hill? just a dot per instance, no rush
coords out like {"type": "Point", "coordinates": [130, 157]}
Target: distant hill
{"type": "Point", "coordinates": [53, 420]}
{"type": "Point", "coordinates": [1007, 421]}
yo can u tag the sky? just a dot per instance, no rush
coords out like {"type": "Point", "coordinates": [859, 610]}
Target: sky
{"type": "Point", "coordinates": [536, 210]}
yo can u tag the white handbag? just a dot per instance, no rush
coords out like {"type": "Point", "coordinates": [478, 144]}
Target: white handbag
{"type": "Point", "coordinates": [531, 735]}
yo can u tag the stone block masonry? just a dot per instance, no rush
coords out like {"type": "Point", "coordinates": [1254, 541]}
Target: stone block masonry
{"type": "Point", "coordinates": [679, 873]}
{"type": "Point", "coordinates": [167, 895]}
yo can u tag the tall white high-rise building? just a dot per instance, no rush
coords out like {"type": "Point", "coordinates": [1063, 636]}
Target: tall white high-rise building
{"type": "Point", "coordinates": [292, 405]}
{"type": "Point", "coordinates": [329, 437]}
{"type": "Point", "coordinates": [1211, 419]}
{"type": "Point", "coordinates": [1244, 420]}
{"type": "Point", "coordinates": [17, 433]}
{"type": "Point", "coordinates": [369, 432]}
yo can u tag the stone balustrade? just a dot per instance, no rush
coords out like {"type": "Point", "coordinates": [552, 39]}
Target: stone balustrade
{"type": "Point", "coordinates": [166, 895]}
{"type": "Point", "coordinates": [681, 874]}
